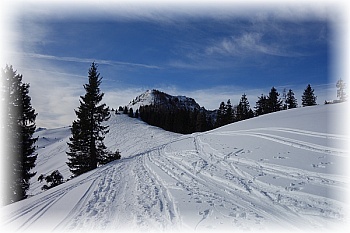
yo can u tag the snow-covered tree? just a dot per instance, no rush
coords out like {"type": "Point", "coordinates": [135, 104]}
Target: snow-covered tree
{"type": "Point", "coordinates": [341, 94]}
{"type": "Point", "coordinates": [109, 157]}
{"type": "Point", "coordinates": [52, 180]}
{"type": "Point", "coordinates": [284, 99]}
{"type": "Point", "coordinates": [86, 147]}
{"type": "Point", "coordinates": [19, 157]}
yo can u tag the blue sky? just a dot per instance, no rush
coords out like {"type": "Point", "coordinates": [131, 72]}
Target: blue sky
{"type": "Point", "coordinates": [209, 53]}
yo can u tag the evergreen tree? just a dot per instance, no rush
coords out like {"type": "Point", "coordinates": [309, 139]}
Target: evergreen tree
{"type": "Point", "coordinates": [291, 101]}
{"type": "Point", "coordinates": [125, 110]}
{"type": "Point", "coordinates": [261, 106]}
{"type": "Point", "coordinates": [243, 109]}
{"type": "Point", "coordinates": [308, 98]}
{"type": "Point", "coordinates": [229, 115]}
{"type": "Point", "coordinates": [274, 103]}
{"type": "Point", "coordinates": [221, 113]}
{"type": "Point", "coordinates": [201, 122]}
{"type": "Point", "coordinates": [20, 156]}
{"type": "Point", "coordinates": [341, 90]}
{"type": "Point", "coordinates": [131, 112]}
{"type": "Point", "coordinates": [86, 144]}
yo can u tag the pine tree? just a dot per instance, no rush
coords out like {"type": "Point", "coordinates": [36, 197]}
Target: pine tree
{"type": "Point", "coordinates": [86, 144]}
{"type": "Point", "coordinates": [291, 101]}
{"type": "Point", "coordinates": [131, 112]}
{"type": "Point", "coordinates": [20, 126]}
{"type": "Point", "coordinates": [261, 106]}
{"type": "Point", "coordinates": [125, 110]}
{"type": "Point", "coordinates": [221, 113]}
{"type": "Point", "coordinates": [308, 98]}
{"type": "Point", "coordinates": [274, 103]}
{"type": "Point", "coordinates": [229, 116]}
{"type": "Point", "coordinates": [243, 109]}
{"type": "Point", "coordinates": [201, 122]}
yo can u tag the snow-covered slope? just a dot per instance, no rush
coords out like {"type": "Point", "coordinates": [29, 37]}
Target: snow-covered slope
{"type": "Point", "coordinates": [128, 135]}
{"type": "Point", "coordinates": [146, 98]}
{"type": "Point", "coordinates": [282, 171]}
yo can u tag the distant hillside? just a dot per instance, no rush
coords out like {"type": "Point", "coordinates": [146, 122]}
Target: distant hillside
{"type": "Point", "coordinates": [179, 114]}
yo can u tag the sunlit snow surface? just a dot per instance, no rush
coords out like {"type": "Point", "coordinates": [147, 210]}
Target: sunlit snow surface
{"type": "Point", "coordinates": [284, 171]}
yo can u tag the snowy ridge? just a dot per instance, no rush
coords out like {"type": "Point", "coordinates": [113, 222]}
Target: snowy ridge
{"type": "Point", "coordinates": [278, 172]}
{"type": "Point", "coordinates": [163, 99]}
{"type": "Point", "coordinates": [146, 98]}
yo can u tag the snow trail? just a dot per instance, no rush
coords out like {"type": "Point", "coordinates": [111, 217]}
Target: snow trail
{"type": "Point", "coordinates": [237, 177]}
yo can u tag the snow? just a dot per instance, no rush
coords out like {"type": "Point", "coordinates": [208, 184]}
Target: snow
{"type": "Point", "coordinates": [146, 98]}
{"type": "Point", "coordinates": [284, 171]}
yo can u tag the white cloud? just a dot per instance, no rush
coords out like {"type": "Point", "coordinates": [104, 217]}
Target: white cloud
{"type": "Point", "coordinates": [87, 60]}
{"type": "Point", "coordinates": [250, 43]}
{"type": "Point", "coordinates": [54, 95]}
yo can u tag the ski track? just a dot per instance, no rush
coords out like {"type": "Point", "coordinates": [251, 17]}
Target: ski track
{"type": "Point", "coordinates": [257, 195]}
{"type": "Point", "coordinates": [187, 184]}
{"type": "Point", "coordinates": [292, 142]}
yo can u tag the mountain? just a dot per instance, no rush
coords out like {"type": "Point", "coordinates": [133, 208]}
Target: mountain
{"type": "Point", "coordinates": [179, 114]}
{"type": "Point", "coordinates": [285, 171]}
{"type": "Point", "coordinates": [164, 100]}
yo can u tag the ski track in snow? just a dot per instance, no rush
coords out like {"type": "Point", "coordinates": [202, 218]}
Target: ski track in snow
{"type": "Point", "coordinates": [197, 182]}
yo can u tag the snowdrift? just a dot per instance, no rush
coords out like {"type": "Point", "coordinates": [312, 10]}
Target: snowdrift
{"type": "Point", "coordinates": [284, 171]}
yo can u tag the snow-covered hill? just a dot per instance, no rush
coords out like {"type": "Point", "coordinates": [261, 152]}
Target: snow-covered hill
{"type": "Point", "coordinates": [163, 99]}
{"type": "Point", "coordinates": [281, 171]}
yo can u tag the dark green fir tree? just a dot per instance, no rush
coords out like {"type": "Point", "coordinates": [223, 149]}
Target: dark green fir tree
{"type": "Point", "coordinates": [86, 147]}
{"type": "Point", "coordinates": [291, 101]}
{"type": "Point", "coordinates": [261, 106]}
{"type": "Point", "coordinates": [243, 109]}
{"type": "Point", "coordinates": [19, 155]}
{"type": "Point", "coordinates": [308, 98]}
{"type": "Point", "coordinates": [274, 102]}
{"type": "Point", "coordinates": [221, 115]}
{"type": "Point", "coordinates": [229, 116]}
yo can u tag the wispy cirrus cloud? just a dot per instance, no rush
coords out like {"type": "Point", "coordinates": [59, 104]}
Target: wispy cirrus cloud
{"type": "Point", "coordinates": [250, 43]}
{"type": "Point", "coordinates": [88, 60]}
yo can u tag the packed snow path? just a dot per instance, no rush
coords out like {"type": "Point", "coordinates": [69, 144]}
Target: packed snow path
{"type": "Point", "coordinates": [265, 173]}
